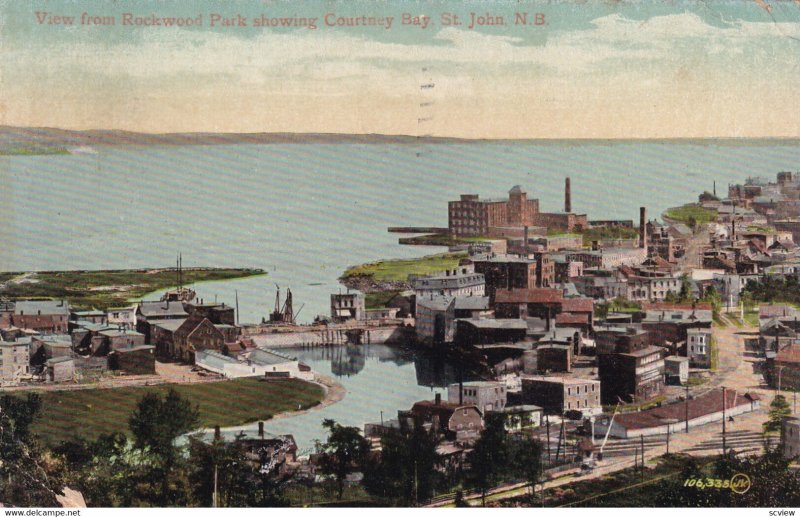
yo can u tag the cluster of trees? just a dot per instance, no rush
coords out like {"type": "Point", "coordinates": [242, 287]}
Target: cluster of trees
{"type": "Point", "coordinates": [773, 289]}
{"type": "Point", "coordinates": [684, 294]}
{"type": "Point", "coordinates": [772, 483]}
{"type": "Point", "coordinates": [153, 465]}
{"type": "Point", "coordinates": [409, 470]}
{"type": "Point", "coordinates": [150, 466]}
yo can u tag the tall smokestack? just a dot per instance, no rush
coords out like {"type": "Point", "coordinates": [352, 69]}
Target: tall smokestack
{"type": "Point", "coordinates": [567, 196]}
{"type": "Point", "coordinates": [642, 227]}
{"type": "Point", "coordinates": [525, 244]}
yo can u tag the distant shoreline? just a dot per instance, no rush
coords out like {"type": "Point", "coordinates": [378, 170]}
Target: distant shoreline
{"type": "Point", "coordinates": [104, 289]}
{"type": "Point", "coordinates": [36, 141]}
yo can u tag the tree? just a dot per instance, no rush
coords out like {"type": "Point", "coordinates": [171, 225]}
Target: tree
{"type": "Point", "coordinates": [685, 294]}
{"type": "Point", "coordinates": [407, 468]}
{"type": "Point", "coordinates": [713, 297]}
{"type": "Point", "coordinates": [28, 476]}
{"type": "Point", "coordinates": [778, 410]}
{"type": "Point", "coordinates": [155, 424]}
{"type": "Point", "coordinates": [771, 483]}
{"type": "Point", "coordinates": [526, 459]}
{"type": "Point", "coordinates": [344, 452]}
{"type": "Point", "coordinates": [239, 479]}
{"type": "Point", "coordinates": [489, 456]}
{"type": "Point", "coordinates": [111, 472]}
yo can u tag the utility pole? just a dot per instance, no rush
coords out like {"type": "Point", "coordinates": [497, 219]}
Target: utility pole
{"type": "Point", "coordinates": [668, 439]}
{"type": "Point", "coordinates": [547, 424]}
{"type": "Point", "coordinates": [794, 409]}
{"type": "Point", "coordinates": [215, 496]}
{"type": "Point", "coordinates": [687, 408]}
{"type": "Point", "coordinates": [724, 403]}
{"type": "Point", "coordinates": [641, 436]}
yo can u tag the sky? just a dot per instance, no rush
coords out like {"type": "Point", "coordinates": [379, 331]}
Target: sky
{"type": "Point", "coordinates": [635, 69]}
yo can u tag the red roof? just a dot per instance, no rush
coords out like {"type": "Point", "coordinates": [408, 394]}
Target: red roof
{"type": "Point", "coordinates": [577, 305]}
{"type": "Point", "coordinates": [706, 404]}
{"type": "Point", "coordinates": [627, 271]}
{"type": "Point", "coordinates": [542, 295]}
{"type": "Point", "coordinates": [572, 319]}
{"type": "Point", "coordinates": [790, 354]}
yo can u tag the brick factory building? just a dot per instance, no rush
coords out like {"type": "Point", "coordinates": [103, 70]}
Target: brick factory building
{"type": "Point", "coordinates": [471, 215]}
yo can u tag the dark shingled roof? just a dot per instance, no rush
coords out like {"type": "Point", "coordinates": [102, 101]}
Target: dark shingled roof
{"type": "Point", "coordinates": [706, 404]}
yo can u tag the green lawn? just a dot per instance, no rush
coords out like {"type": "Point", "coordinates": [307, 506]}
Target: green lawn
{"type": "Point", "coordinates": [692, 211]}
{"type": "Point", "coordinates": [378, 300]}
{"type": "Point", "coordinates": [90, 413]}
{"type": "Point", "coordinates": [751, 318]}
{"type": "Point", "coordinates": [110, 288]}
{"type": "Point", "coordinates": [398, 270]}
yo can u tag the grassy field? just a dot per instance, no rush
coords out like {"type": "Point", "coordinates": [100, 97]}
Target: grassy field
{"type": "Point", "coordinates": [104, 289]}
{"type": "Point", "coordinates": [398, 270]}
{"type": "Point", "coordinates": [378, 300]}
{"type": "Point", "coordinates": [690, 211]}
{"type": "Point", "coordinates": [90, 413]}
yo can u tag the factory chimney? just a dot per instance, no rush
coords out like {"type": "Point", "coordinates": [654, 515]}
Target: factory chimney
{"type": "Point", "coordinates": [525, 244]}
{"type": "Point", "coordinates": [567, 196]}
{"type": "Point", "coordinates": [642, 227]}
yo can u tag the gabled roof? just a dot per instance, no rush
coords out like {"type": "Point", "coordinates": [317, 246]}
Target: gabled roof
{"type": "Point", "coordinates": [268, 357]}
{"type": "Point", "coordinates": [706, 404]}
{"type": "Point", "coordinates": [47, 307]}
{"type": "Point", "coordinates": [435, 302]}
{"type": "Point", "coordinates": [577, 305]}
{"type": "Point", "coordinates": [789, 354]}
{"type": "Point", "coordinates": [472, 303]}
{"type": "Point", "coordinates": [188, 325]}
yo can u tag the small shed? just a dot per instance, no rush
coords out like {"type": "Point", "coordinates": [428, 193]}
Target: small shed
{"type": "Point", "coordinates": [137, 360]}
{"type": "Point", "coordinates": [60, 369]}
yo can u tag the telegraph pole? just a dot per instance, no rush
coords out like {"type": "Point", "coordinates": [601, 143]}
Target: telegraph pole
{"type": "Point", "coordinates": [687, 407]}
{"type": "Point", "coordinates": [724, 403]}
{"type": "Point", "coordinates": [668, 439]}
{"type": "Point", "coordinates": [641, 436]}
{"type": "Point", "coordinates": [549, 457]}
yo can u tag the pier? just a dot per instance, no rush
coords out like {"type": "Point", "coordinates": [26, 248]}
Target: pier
{"type": "Point", "coordinates": [294, 336]}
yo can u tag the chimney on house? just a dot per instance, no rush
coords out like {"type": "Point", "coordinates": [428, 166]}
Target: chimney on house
{"type": "Point", "coordinates": [567, 196]}
{"type": "Point", "coordinates": [261, 430]}
{"type": "Point", "coordinates": [643, 227]}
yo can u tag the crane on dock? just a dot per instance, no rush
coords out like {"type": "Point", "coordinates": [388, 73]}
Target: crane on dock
{"type": "Point", "coordinates": [285, 313]}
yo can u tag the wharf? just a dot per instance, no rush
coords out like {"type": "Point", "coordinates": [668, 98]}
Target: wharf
{"type": "Point", "coordinates": [361, 333]}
